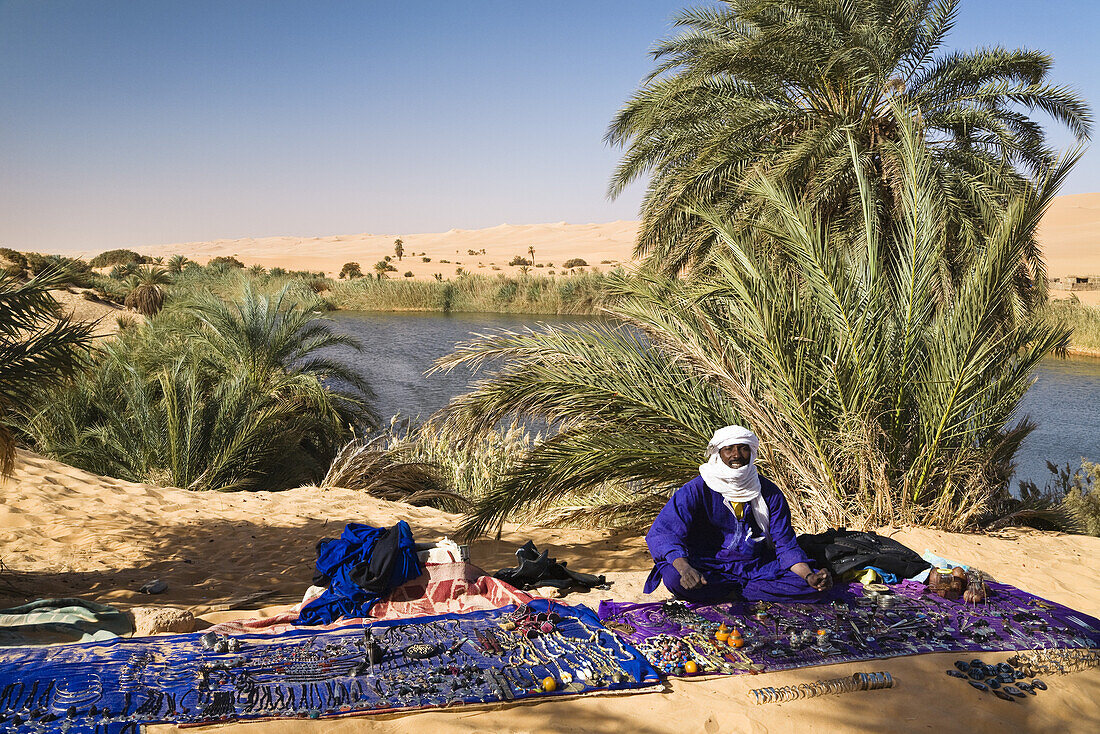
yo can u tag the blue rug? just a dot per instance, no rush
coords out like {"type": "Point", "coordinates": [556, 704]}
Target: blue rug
{"type": "Point", "coordinates": [114, 687]}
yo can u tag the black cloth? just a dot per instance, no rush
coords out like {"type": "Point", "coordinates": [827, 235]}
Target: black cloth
{"type": "Point", "coordinates": [842, 550]}
{"type": "Point", "coordinates": [537, 569]}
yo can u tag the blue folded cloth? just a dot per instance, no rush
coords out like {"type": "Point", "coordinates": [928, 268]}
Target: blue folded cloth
{"type": "Point", "coordinates": [362, 566]}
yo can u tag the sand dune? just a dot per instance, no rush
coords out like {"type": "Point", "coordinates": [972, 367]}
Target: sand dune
{"type": "Point", "coordinates": [1070, 234]}
{"type": "Point", "coordinates": [66, 532]}
{"type": "Point", "coordinates": [600, 245]}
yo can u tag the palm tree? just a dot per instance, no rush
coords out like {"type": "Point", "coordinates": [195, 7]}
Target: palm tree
{"type": "Point", "coordinates": [176, 264]}
{"type": "Point", "coordinates": [780, 86]}
{"type": "Point", "coordinates": [147, 291]}
{"type": "Point", "coordinates": [123, 271]}
{"type": "Point", "coordinates": [398, 248]}
{"type": "Point", "coordinates": [274, 338]}
{"type": "Point", "coordinates": [38, 350]}
{"type": "Point", "coordinates": [216, 396]}
{"type": "Point", "coordinates": [879, 397]}
{"type": "Point", "coordinates": [531, 252]}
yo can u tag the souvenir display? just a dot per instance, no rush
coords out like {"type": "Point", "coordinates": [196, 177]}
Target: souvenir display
{"type": "Point", "coordinates": [1004, 680]}
{"type": "Point", "coordinates": [857, 624]}
{"type": "Point", "coordinates": [1055, 662]}
{"type": "Point", "coordinates": [847, 684]}
{"type": "Point", "coordinates": [539, 649]}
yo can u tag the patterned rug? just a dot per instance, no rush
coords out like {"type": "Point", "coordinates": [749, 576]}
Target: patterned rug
{"type": "Point", "coordinates": [849, 627]}
{"type": "Point", "coordinates": [500, 655]}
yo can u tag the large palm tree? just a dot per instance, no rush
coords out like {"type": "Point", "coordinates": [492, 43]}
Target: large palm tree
{"type": "Point", "coordinates": [38, 347]}
{"type": "Point", "coordinates": [879, 396]}
{"type": "Point", "coordinates": [781, 86]}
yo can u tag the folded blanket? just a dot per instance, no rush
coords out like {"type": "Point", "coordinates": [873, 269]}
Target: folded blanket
{"type": "Point", "coordinates": [61, 621]}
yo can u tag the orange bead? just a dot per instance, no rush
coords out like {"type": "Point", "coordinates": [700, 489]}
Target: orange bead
{"type": "Point", "coordinates": [735, 632]}
{"type": "Point", "coordinates": [549, 684]}
{"type": "Point", "coordinates": [721, 635]}
{"type": "Point", "coordinates": [736, 642]}
{"type": "Point", "coordinates": [691, 667]}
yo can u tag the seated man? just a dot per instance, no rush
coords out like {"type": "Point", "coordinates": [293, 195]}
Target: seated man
{"type": "Point", "coordinates": [727, 535]}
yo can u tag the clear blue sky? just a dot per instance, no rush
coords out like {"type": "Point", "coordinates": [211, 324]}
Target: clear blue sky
{"type": "Point", "coordinates": [131, 123]}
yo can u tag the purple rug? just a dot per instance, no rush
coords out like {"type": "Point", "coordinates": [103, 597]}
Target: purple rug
{"type": "Point", "coordinates": [846, 628]}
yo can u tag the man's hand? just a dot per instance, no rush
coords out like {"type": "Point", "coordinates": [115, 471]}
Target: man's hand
{"type": "Point", "coordinates": [819, 580]}
{"type": "Point", "coordinates": [689, 577]}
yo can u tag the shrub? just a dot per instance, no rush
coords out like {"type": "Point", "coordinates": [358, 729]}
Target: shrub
{"type": "Point", "coordinates": [519, 260]}
{"type": "Point", "coordinates": [351, 270]}
{"type": "Point", "coordinates": [14, 259]}
{"type": "Point", "coordinates": [117, 257]}
{"type": "Point", "coordinates": [575, 262]}
{"type": "Point", "coordinates": [425, 259]}
{"type": "Point", "coordinates": [225, 261]}
{"type": "Point", "coordinates": [408, 273]}
{"type": "Point", "coordinates": [1082, 500]}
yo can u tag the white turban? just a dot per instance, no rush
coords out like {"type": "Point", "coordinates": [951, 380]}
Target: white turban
{"type": "Point", "coordinates": [736, 485]}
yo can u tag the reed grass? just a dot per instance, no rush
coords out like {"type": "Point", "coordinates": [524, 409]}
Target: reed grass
{"type": "Point", "coordinates": [581, 294]}
{"type": "Point", "coordinates": [1083, 319]}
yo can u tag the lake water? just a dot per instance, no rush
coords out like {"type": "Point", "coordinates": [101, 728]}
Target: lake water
{"type": "Point", "coordinates": [398, 348]}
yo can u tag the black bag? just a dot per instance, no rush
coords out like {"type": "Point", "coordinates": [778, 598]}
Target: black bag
{"type": "Point", "coordinates": [842, 550]}
{"type": "Point", "coordinates": [537, 569]}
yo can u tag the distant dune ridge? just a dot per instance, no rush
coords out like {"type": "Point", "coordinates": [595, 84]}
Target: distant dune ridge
{"type": "Point", "coordinates": [1070, 233]}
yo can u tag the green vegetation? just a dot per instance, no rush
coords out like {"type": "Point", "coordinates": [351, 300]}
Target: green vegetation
{"type": "Point", "coordinates": [38, 351]}
{"type": "Point", "coordinates": [224, 261]}
{"type": "Point", "coordinates": [580, 294]}
{"type": "Point", "coordinates": [147, 290]}
{"type": "Point", "coordinates": [781, 87]}
{"type": "Point", "coordinates": [209, 395]}
{"type": "Point", "coordinates": [882, 393]}
{"type": "Point", "coordinates": [351, 270]}
{"type": "Point", "coordinates": [117, 257]}
{"type": "Point", "coordinates": [1070, 498]}
{"type": "Point", "coordinates": [1083, 320]}
{"type": "Point", "coordinates": [1082, 497]}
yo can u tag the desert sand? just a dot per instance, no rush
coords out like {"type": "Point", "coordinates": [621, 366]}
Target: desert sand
{"type": "Point", "coordinates": [1070, 236]}
{"type": "Point", "coordinates": [65, 532]}
{"type": "Point", "coordinates": [600, 245]}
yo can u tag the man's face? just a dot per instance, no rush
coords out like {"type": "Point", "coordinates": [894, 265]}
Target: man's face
{"type": "Point", "coordinates": [736, 455]}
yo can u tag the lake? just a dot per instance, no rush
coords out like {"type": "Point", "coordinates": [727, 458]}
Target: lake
{"type": "Point", "coordinates": [399, 347]}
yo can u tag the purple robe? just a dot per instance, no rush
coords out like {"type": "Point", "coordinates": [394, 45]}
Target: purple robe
{"type": "Point", "coordinates": [697, 524]}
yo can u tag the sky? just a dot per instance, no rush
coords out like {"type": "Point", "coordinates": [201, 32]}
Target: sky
{"type": "Point", "coordinates": [136, 123]}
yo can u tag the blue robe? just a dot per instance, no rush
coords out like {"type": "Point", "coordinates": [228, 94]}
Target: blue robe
{"type": "Point", "coordinates": [697, 524]}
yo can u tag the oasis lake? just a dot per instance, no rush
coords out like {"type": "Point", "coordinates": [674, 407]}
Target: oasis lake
{"type": "Point", "coordinates": [399, 347]}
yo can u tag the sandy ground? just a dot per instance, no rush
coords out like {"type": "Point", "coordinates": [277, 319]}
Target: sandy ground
{"type": "Point", "coordinates": [103, 315]}
{"type": "Point", "coordinates": [67, 532]}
